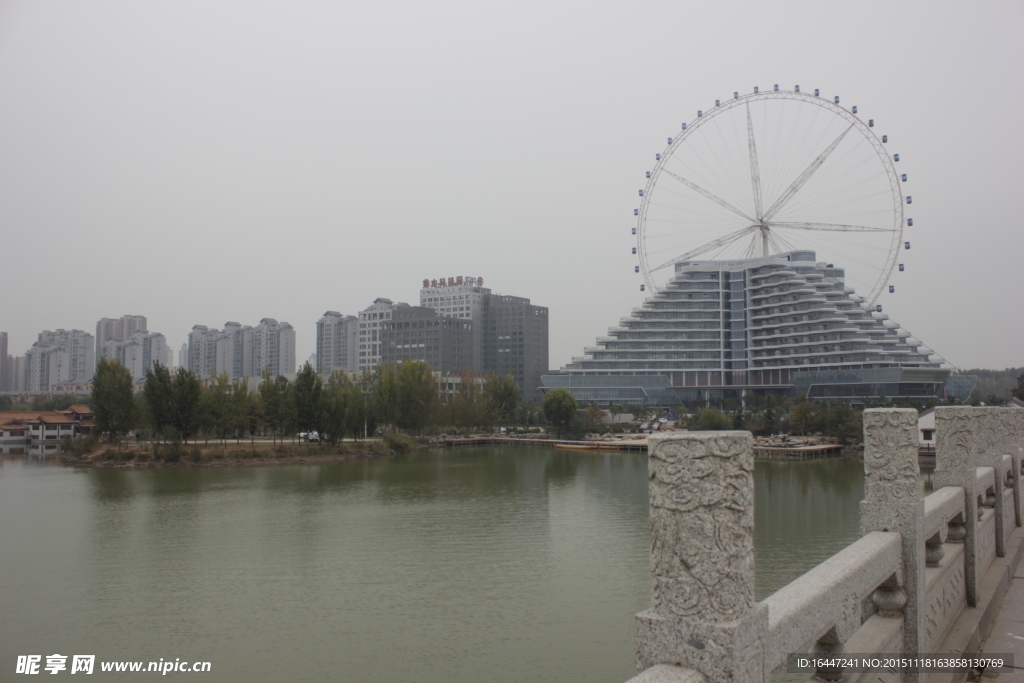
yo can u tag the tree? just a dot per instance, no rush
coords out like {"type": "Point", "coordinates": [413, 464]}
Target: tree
{"type": "Point", "coordinates": [1019, 391]}
{"type": "Point", "coordinates": [466, 408]}
{"type": "Point", "coordinates": [113, 399]}
{"type": "Point", "coordinates": [241, 413]}
{"type": "Point", "coordinates": [801, 414]}
{"type": "Point", "coordinates": [271, 400]}
{"type": "Point", "coordinates": [158, 395]}
{"type": "Point", "coordinates": [308, 391]}
{"type": "Point", "coordinates": [417, 395]}
{"type": "Point", "coordinates": [185, 395]}
{"type": "Point", "coordinates": [215, 408]}
{"type": "Point", "coordinates": [711, 419]}
{"type": "Point", "coordinates": [501, 395]}
{"type": "Point", "coordinates": [384, 394]}
{"type": "Point", "coordinates": [560, 410]}
{"type": "Point", "coordinates": [342, 407]}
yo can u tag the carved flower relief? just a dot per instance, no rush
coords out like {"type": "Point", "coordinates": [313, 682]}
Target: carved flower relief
{"type": "Point", "coordinates": [731, 446]}
{"type": "Point", "coordinates": [888, 435]}
{"type": "Point", "coordinates": [954, 437]}
{"type": "Point", "coordinates": [679, 595]}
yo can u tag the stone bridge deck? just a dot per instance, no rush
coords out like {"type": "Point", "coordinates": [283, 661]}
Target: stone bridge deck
{"type": "Point", "coordinates": [935, 576]}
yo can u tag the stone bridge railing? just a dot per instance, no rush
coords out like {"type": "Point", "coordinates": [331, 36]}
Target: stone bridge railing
{"type": "Point", "coordinates": [920, 571]}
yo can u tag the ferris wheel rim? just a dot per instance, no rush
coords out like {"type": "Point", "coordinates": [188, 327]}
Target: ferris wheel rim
{"type": "Point", "coordinates": [690, 127]}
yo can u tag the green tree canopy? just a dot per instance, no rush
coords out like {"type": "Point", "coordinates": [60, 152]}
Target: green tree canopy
{"type": "Point", "coordinates": [158, 393]}
{"type": "Point", "coordinates": [308, 389]}
{"type": "Point", "coordinates": [501, 394]}
{"type": "Point", "coordinates": [417, 396]}
{"type": "Point", "coordinates": [185, 395]}
{"type": "Point", "coordinates": [113, 400]}
{"type": "Point", "coordinates": [560, 410]}
{"type": "Point", "coordinates": [711, 418]}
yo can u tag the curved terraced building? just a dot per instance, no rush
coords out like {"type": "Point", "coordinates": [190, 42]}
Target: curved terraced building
{"type": "Point", "coordinates": [782, 324]}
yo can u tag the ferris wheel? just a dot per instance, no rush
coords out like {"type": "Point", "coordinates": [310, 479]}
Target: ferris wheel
{"type": "Point", "coordinates": [770, 172]}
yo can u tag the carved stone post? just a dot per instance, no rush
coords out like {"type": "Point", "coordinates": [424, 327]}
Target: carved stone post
{"type": "Point", "coordinates": [892, 503]}
{"type": "Point", "coordinates": [703, 614]}
{"type": "Point", "coordinates": [955, 466]}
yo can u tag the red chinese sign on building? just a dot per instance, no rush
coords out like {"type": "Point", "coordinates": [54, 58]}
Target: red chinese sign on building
{"type": "Point", "coordinates": [453, 282]}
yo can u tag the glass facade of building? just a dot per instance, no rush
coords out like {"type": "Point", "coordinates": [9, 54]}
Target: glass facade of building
{"type": "Point", "coordinates": [778, 324]}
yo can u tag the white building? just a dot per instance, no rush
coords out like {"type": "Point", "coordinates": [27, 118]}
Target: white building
{"type": "Point", "coordinates": [370, 320]}
{"type": "Point", "coordinates": [337, 343]}
{"type": "Point", "coordinates": [118, 329]}
{"type": "Point", "coordinates": [59, 357]}
{"type": "Point", "coordinates": [139, 352]}
{"type": "Point", "coordinates": [241, 350]}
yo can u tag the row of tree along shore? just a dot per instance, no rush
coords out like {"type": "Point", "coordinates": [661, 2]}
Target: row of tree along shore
{"type": "Point", "coordinates": [396, 402]}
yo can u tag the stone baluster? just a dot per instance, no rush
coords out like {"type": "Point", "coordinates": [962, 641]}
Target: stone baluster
{"type": "Point", "coordinates": [955, 447]}
{"type": "Point", "coordinates": [933, 552]}
{"type": "Point", "coordinates": [703, 615]}
{"type": "Point", "coordinates": [892, 503]}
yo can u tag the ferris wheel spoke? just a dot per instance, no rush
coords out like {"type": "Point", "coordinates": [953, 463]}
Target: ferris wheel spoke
{"type": "Point", "coordinates": [755, 173]}
{"type": "Point", "coordinates": [804, 177]}
{"type": "Point", "coordinates": [832, 227]}
{"type": "Point", "coordinates": [701, 191]}
{"type": "Point", "coordinates": [714, 244]}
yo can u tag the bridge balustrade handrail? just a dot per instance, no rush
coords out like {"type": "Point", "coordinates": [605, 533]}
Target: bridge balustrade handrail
{"type": "Point", "coordinates": [829, 596]}
{"type": "Point", "coordinates": [940, 507]}
{"type": "Point", "coordinates": [873, 596]}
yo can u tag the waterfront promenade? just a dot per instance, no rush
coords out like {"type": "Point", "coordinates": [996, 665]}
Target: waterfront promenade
{"type": "Point", "coordinates": [934, 576]}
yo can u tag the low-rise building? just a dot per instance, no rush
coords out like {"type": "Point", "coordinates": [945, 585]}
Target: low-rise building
{"type": "Point", "coordinates": [32, 427]}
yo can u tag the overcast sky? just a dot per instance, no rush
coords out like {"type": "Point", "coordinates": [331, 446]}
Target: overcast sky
{"type": "Point", "coordinates": [198, 162]}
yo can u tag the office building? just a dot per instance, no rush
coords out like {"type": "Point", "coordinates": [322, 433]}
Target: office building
{"type": "Point", "coordinates": [781, 324]}
{"type": "Point", "coordinates": [510, 335]}
{"type": "Point", "coordinates": [422, 334]}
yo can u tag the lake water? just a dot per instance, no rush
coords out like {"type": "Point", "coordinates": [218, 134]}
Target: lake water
{"type": "Point", "coordinates": [480, 564]}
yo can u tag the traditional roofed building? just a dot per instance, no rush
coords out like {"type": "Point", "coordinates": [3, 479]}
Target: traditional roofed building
{"type": "Point", "coordinates": [45, 426]}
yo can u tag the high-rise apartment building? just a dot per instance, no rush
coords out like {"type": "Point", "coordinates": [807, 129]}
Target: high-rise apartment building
{"type": "Point", "coordinates": [510, 335]}
{"type": "Point", "coordinates": [5, 370]}
{"type": "Point", "coordinates": [139, 353]}
{"type": "Point", "coordinates": [780, 324]}
{"type": "Point", "coordinates": [241, 351]}
{"type": "Point", "coordinates": [370, 321]}
{"type": "Point", "coordinates": [117, 329]}
{"type": "Point", "coordinates": [337, 343]}
{"type": "Point", "coordinates": [422, 334]}
{"type": "Point", "coordinates": [60, 357]}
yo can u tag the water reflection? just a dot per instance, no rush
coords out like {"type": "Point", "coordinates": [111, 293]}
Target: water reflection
{"type": "Point", "coordinates": [26, 449]}
{"type": "Point", "coordinates": [456, 565]}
